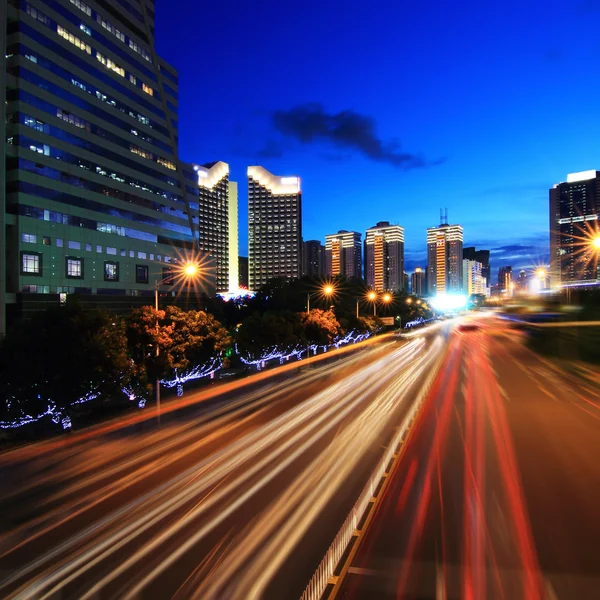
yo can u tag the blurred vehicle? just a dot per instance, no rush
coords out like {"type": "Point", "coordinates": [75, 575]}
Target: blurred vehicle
{"type": "Point", "coordinates": [468, 327]}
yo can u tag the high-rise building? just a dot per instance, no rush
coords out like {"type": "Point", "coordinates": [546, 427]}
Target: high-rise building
{"type": "Point", "coordinates": [313, 259]}
{"type": "Point", "coordinates": [3, 31]}
{"type": "Point", "coordinates": [234, 271]}
{"type": "Point", "coordinates": [574, 216]}
{"type": "Point", "coordinates": [243, 270]}
{"type": "Point", "coordinates": [521, 284]}
{"type": "Point", "coordinates": [482, 256]}
{"type": "Point", "coordinates": [505, 279]}
{"type": "Point", "coordinates": [274, 226]}
{"type": "Point", "coordinates": [97, 201]}
{"type": "Point", "coordinates": [418, 282]}
{"type": "Point", "coordinates": [445, 256]}
{"type": "Point", "coordinates": [213, 214]}
{"type": "Point", "coordinates": [473, 280]}
{"type": "Point", "coordinates": [343, 254]}
{"type": "Point", "coordinates": [384, 257]}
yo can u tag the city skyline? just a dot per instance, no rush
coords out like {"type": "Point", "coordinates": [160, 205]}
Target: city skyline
{"type": "Point", "coordinates": [496, 140]}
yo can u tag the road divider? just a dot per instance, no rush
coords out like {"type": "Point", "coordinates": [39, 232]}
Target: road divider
{"type": "Point", "coordinates": [324, 575]}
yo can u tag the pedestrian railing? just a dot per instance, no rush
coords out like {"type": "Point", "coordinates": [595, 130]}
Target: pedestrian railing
{"type": "Point", "coordinates": [326, 569]}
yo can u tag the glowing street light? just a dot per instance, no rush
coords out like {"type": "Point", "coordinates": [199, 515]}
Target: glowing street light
{"type": "Point", "coordinates": [187, 272]}
{"type": "Point", "coordinates": [326, 290]}
{"type": "Point", "coordinates": [409, 301]}
{"type": "Point", "coordinates": [596, 242]}
{"type": "Point", "coordinates": [540, 273]}
{"type": "Point", "coordinates": [387, 298]}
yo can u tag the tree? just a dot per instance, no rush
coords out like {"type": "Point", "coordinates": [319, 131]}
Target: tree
{"type": "Point", "coordinates": [146, 330]}
{"type": "Point", "coordinates": [196, 342]}
{"type": "Point", "coordinates": [61, 358]}
{"type": "Point", "coordinates": [321, 327]}
{"type": "Point", "coordinates": [273, 334]}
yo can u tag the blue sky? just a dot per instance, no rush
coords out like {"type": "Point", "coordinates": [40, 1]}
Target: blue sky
{"type": "Point", "coordinates": [392, 110]}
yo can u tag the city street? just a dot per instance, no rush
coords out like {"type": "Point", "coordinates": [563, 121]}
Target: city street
{"type": "Point", "coordinates": [239, 497]}
{"type": "Point", "coordinates": [496, 493]}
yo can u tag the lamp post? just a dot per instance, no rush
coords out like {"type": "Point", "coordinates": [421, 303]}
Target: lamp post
{"type": "Point", "coordinates": [372, 296]}
{"type": "Point", "coordinates": [189, 271]}
{"type": "Point", "coordinates": [327, 290]}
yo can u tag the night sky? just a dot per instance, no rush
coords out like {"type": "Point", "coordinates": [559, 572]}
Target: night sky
{"type": "Point", "coordinates": [391, 110]}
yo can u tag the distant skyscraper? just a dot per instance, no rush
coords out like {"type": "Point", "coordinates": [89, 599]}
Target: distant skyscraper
{"type": "Point", "coordinates": [473, 280]}
{"type": "Point", "coordinates": [482, 256]}
{"type": "Point", "coordinates": [213, 213]}
{"type": "Point", "coordinates": [505, 278]}
{"type": "Point", "coordinates": [418, 282]}
{"type": "Point", "coordinates": [405, 281]}
{"type": "Point", "coordinates": [574, 217]}
{"type": "Point", "coordinates": [274, 226]}
{"type": "Point", "coordinates": [521, 283]}
{"type": "Point", "coordinates": [384, 257]}
{"type": "Point", "coordinates": [343, 254]}
{"type": "Point", "coordinates": [445, 256]}
{"type": "Point", "coordinates": [243, 271]}
{"type": "Point", "coordinates": [234, 271]}
{"type": "Point", "coordinates": [313, 259]}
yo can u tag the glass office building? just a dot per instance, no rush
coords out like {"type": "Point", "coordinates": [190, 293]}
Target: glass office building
{"type": "Point", "coordinates": [97, 202]}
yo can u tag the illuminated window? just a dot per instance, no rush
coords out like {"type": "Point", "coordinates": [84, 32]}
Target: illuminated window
{"type": "Point", "coordinates": [83, 7]}
{"type": "Point", "coordinates": [166, 163]}
{"type": "Point", "coordinates": [31, 263]}
{"type": "Point", "coordinates": [109, 64]}
{"type": "Point", "coordinates": [74, 245]}
{"type": "Point", "coordinates": [74, 267]}
{"type": "Point", "coordinates": [85, 29]}
{"type": "Point", "coordinates": [30, 238]}
{"type": "Point", "coordinates": [141, 152]}
{"type": "Point", "coordinates": [111, 28]}
{"type": "Point", "coordinates": [148, 89]}
{"type": "Point", "coordinates": [72, 119]}
{"type": "Point", "coordinates": [67, 35]}
{"type": "Point", "coordinates": [111, 271]}
{"type": "Point", "coordinates": [133, 79]}
{"type": "Point", "coordinates": [36, 14]}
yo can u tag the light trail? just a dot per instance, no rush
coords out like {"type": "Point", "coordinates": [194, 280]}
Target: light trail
{"type": "Point", "coordinates": [209, 491]}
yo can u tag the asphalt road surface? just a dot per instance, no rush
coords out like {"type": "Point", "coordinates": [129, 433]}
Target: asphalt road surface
{"type": "Point", "coordinates": [497, 492]}
{"type": "Point", "coordinates": [236, 497]}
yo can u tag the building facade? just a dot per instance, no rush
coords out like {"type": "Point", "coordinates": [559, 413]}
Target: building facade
{"type": "Point", "coordinates": [384, 257]}
{"type": "Point", "coordinates": [274, 226]}
{"type": "Point", "coordinates": [243, 272]}
{"type": "Point", "coordinates": [418, 282]}
{"type": "Point", "coordinates": [574, 216]}
{"type": "Point", "coordinates": [444, 256]}
{"type": "Point", "coordinates": [505, 280]}
{"type": "Point", "coordinates": [234, 271]}
{"type": "Point", "coordinates": [343, 254]}
{"type": "Point", "coordinates": [213, 216]}
{"type": "Point", "coordinates": [482, 256]}
{"type": "Point", "coordinates": [97, 201]}
{"type": "Point", "coordinates": [313, 259]}
{"type": "Point", "coordinates": [473, 280]}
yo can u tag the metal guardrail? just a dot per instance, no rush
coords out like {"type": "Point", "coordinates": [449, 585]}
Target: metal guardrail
{"type": "Point", "coordinates": [321, 577]}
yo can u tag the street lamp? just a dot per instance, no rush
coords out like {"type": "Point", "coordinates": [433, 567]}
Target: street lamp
{"type": "Point", "coordinates": [372, 296]}
{"type": "Point", "coordinates": [326, 290]}
{"type": "Point", "coordinates": [596, 242]}
{"type": "Point", "coordinates": [188, 271]}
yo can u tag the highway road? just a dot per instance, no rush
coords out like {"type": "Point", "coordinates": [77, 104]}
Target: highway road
{"type": "Point", "coordinates": [496, 494]}
{"type": "Point", "coordinates": [237, 496]}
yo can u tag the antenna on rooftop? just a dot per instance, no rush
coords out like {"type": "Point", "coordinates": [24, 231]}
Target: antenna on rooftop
{"type": "Point", "coordinates": [443, 216]}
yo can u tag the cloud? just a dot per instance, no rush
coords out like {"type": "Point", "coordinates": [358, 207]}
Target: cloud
{"type": "Point", "coordinates": [271, 149]}
{"type": "Point", "coordinates": [346, 130]}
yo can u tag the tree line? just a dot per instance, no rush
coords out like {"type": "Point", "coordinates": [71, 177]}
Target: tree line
{"type": "Point", "coordinates": [70, 359]}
